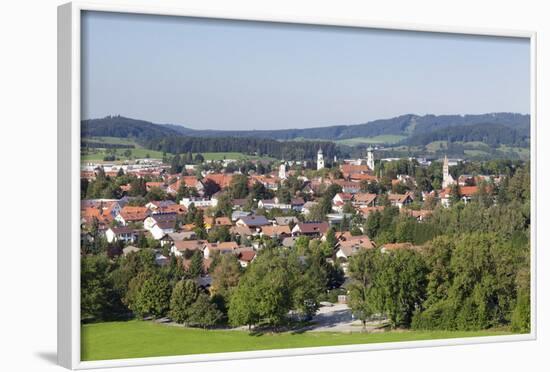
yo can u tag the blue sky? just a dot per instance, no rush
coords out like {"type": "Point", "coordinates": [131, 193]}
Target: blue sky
{"type": "Point", "coordinates": [220, 74]}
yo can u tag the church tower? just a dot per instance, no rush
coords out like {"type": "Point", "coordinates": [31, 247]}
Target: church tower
{"type": "Point", "coordinates": [320, 159]}
{"type": "Point", "coordinates": [370, 158]}
{"type": "Point", "coordinates": [282, 171]}
{"type": "Point", "coordinates": [447, 178]}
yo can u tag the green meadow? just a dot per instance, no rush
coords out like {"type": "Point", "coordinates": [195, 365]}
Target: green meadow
{"type": "Point", "coordinates": [140, 152]}
{"type": "Point", "coordinates": [139, 339]}
{"type": "Point", "coordinates": [388, 139]}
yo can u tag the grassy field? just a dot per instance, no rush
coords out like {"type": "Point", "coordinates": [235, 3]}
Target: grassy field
{"type": "Point", "coordinates": [436, 146]}
{"type": "Point", "coordinates": [231, 155]}
{"type": "Point", "coordinates": [137, 339]}
{"type": "Point", "coordinates": [113, 140]}
{"type": "Point", "coordinates": [139, 152]}
{"type": "Point", "coordinates": [524, 153]}
{"type": "Point", "coordinates": [388, 139]}
{"type": "Point", "coordinates": [136, 153]}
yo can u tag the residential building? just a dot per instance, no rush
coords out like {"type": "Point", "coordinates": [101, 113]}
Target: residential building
{"type": "Point", "coordinates": [121, 233]}
{"type": "Point", "coordinates": [253, 222]}
{"type": "Point", "coordinates": [400, 200]}
{"type": "Point", "coordinates": [312, 229]}
{"type": "Point", "coordinates": [130, 214]}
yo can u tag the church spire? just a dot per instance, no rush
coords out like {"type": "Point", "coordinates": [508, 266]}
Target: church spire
{"type": "Point", "coordinates": [447, 178]}
{"type": "Point", "coordinates": [320, 159]}
{"type": "Point", "coordinates": [370, 158]}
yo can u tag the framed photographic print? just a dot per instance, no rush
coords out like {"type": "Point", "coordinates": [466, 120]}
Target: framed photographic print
{"type": "Point", "coordinates": [242, 186]}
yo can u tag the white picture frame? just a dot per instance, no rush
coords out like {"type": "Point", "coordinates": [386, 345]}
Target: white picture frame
{"type": "Point", "coordinates": [69, 29]}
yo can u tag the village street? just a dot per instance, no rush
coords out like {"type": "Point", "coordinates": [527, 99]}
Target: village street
{"type": "Point", "coordinates": [338, 318]}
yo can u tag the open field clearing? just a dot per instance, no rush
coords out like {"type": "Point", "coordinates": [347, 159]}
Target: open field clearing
{"type": "Point", "coordinates": [138, 339]}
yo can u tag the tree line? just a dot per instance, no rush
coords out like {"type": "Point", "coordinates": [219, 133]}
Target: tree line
{"type": "Point", "coordinates": [296, 150]}
{"type": "Point", "coordinates": [469, 270]}
{"type": "Point", "coordinates": [114, 286]}
{"type": "Point", "coordinates": [489, 133]}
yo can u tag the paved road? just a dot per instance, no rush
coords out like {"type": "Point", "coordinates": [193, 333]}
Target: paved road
{"type": "Point", "coordinates": [335, 318]}
{"type": "Point", "coordinates": [338, 318]}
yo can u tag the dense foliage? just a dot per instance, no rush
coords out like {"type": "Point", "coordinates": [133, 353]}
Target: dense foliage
{"type": "Point", "coordinates": [488, 133]}
{"type": "Point", "coordinates": [299, 150]}
{"type": "Point", "coordinates": [469, 271]}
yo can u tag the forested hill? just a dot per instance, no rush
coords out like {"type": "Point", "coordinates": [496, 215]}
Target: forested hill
{"type": "Point", "coordinates": [489, 133]}
{"type": "Point", "coordinates": [164, 139]}
{"type": "Point", "coordinates": [119, 126]}
{"type": "Point", "coordinates": [406, 125]}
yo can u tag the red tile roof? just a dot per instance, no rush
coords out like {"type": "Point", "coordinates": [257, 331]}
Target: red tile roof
{"type": "Point", "coordinates": [129, 213]}
{"type": "Point", "coordinates": [247, 255]}
{"type": "Point", "coordinates": [276, 230]}
{"type": "Point", "coordinates": [222, 180]}
{"type": "Point", "coordinates": [313, 227]}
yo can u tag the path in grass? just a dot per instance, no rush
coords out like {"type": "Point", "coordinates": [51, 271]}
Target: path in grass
{"type": "Point", "coordinates": [137, 339]}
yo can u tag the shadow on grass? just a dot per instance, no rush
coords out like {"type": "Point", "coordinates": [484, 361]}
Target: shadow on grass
{"type": "Point", "coordinates": [293, 328]}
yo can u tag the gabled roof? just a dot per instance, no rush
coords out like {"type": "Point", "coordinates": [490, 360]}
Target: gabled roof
{"type": "Point", "coordinates": [222, 247]}
{"type": "Point", "coordinates": [222, 180]}
{"type": "Point", "coordinates": [271, 230]}
{"type": "Point", "coordinates": [218, 221]}
{"type": "Point", "coordinates": [129, 213]}
{"type": "Point", "coordinates": [123, 230]}
{"type": "Point", "coordinates": [254, 221]}
{"type": "Point", "coordinates": [463, 191]}
{"type": "Point", "coordinates": [468, 190]}
{"type": "Point", "coordinates": [175, 208]}
{"type": "Point", "coordinates": [362, 177]}
{"type": "Point", "coordinates": [246, 255]}
{"type": "Point", "coordinates": [191, 245]}
{"type": "Point", "coordinates": [313, 227]}
{"type": "Point", "coordinates": [190, 181]}
{"type": "Point", "coordinates": [345, 196]}
{"type": "Point", "coordinates": [348, 169]}
{"type": "Point", "coordinates": [268, 201]}
{"type": "Point", "coordinates": [364, 198]}
{"type": "Point", "coordinates": [353, 246]}
{"type": "Point", "coordinates": [399, 198]}
{"type": "Point", "coordinates": [265, 180]}
{"type": "Point", "coordinates": [362, 240]}
{"type": "Point", "coordinates": [241, 230]}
